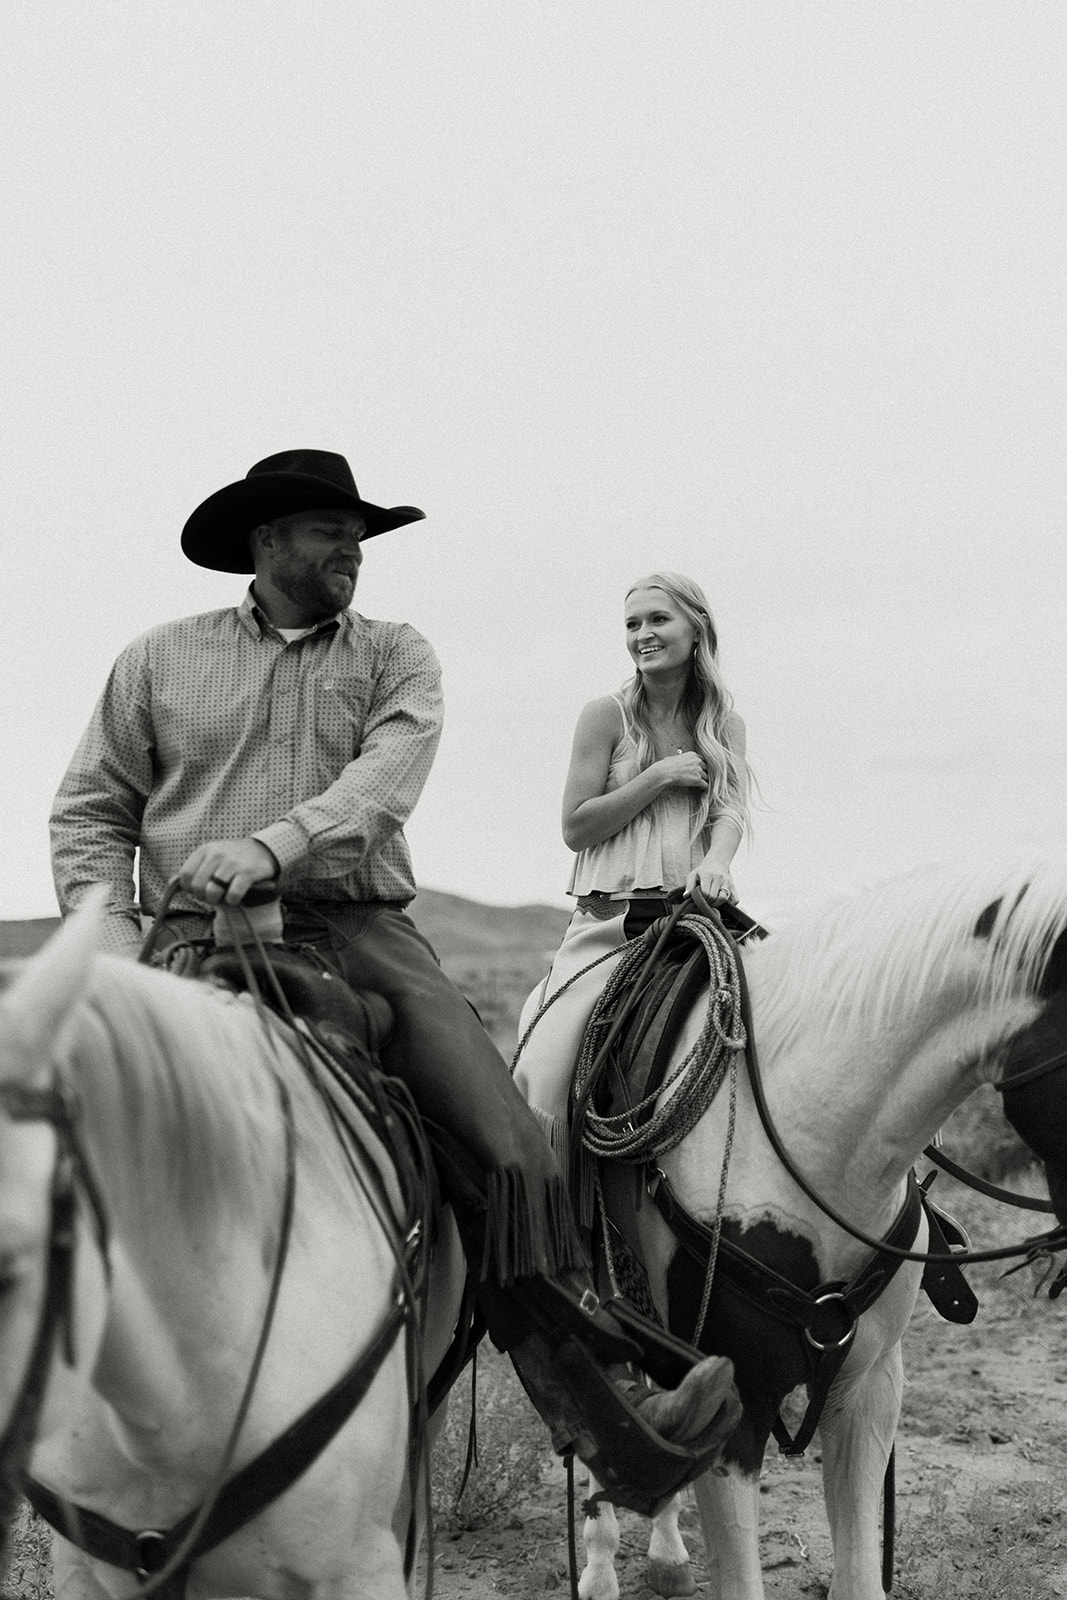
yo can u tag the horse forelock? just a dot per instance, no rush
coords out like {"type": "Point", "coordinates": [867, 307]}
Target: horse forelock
{"type": "Point", "coordinates": [173, 1080]}
{"type": "Point", "coordinates": [879, 954]}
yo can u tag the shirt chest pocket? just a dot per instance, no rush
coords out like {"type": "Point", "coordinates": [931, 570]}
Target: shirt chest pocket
{"type": "Point", "coordinates": [339, 703]}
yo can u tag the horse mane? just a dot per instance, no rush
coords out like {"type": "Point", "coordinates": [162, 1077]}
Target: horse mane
{"type": "Point", "coordinates": [175, 1088]}
{"type": "Point", "coordinates": [864, 957]}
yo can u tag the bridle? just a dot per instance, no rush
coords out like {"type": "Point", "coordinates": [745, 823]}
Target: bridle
{"type": "Point", "coordinates": [160, 1559]}
{"type": "Point", "coordinates": [57, 1106]}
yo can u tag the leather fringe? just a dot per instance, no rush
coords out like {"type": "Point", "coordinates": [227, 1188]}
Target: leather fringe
{"type": "Point", "coordinates": [586, 1190]}
{"type": "Point", "coordinates": [557, 1133]}
{"type": "Point", "coordinates": [526, 1236]}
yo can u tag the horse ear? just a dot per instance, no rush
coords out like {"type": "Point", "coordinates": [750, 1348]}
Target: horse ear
{"type": "Point", "coordinates": [987, 920]}
{"type": "Point", "coordinates": [1054, 976]}
{"type": "Point", "coordinates": [34, 1008]}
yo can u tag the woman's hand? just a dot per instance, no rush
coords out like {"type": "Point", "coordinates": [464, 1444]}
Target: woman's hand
{"type": "Point", "coordinates": [713, 880]}
{"type": "Point", "coordinates": [686, 770]}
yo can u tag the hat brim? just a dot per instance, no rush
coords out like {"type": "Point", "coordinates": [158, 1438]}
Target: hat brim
{"type": "Point", "coordinates": [216, 535]}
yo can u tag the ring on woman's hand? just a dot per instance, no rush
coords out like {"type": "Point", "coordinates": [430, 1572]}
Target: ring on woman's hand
{"type": "Point", "coordinates": [223, 883]}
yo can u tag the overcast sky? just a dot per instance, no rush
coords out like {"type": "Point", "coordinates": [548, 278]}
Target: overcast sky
{"type": "Point", "coordinates": [769, 293]}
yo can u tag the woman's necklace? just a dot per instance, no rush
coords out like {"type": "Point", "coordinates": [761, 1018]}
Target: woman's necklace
{"type": "Point", "coordinates": [675, 737]}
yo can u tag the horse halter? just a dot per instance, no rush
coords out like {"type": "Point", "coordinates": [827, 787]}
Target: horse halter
{"type": "Point", "coordinates": [57, 1106]}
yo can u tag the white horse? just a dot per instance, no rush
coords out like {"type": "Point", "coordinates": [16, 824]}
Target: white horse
{"type": "Point", "coordinates": [872, 1021]}
{"type": "Point", "coordinates": [165, 1102]}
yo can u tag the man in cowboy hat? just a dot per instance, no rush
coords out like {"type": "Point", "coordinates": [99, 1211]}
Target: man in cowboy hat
{"type": "Point", "coordinates": [287, 739]}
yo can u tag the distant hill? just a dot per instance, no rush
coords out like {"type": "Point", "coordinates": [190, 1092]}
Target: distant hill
{"type": "Point", "coordinates": [461, 931]}
{"type": "Point", "coordinates": [465, 929]}
{"type": "Point", "coordinates": [23, 938]}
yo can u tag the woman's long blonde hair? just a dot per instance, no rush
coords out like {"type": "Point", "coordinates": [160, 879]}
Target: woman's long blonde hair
{"type": "Point", "coordinates": [708, 708]}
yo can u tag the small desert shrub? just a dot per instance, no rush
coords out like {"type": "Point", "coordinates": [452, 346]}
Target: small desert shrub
{"type": "Point", "coordinates": [513, 1448]}
{"type": "Point", "coordinates": [1008, 1544]}
{"type": "Point", "coordinates": [29, 1569]}
{"type": "Point", "coordinates": [498, 994]}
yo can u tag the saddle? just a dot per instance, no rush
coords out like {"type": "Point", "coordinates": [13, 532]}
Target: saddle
{"type": "Point", "coordinates": [353, 1027]}
{"type": "Point", "coordinates": [295, 982]}
{"type": "Point", "coordinates": [633, 1069]}
{"type": "Point", "coordinates": [642, 1040]}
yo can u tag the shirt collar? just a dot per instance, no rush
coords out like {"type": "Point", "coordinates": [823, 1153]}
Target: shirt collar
{"type": "Point", "coordinates": [252, 617]}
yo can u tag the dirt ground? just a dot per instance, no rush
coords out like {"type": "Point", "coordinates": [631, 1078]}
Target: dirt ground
{"type": "Point", "coordinates": [981, 1479]}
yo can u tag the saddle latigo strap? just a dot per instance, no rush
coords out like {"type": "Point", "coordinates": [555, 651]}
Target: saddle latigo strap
{"type": "Point", "coordinates": [943, 1281]}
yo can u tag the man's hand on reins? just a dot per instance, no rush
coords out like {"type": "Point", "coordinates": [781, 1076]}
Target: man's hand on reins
{"type": "Point", "coordinates": [223, 870]}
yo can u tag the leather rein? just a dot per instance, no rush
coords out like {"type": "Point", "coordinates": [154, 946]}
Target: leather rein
{"type": "Point", "coordinates": [1054, 1239]}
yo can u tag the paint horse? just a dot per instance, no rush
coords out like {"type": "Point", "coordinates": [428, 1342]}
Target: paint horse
{"type": "Point", "coordinates": [198, 1264]}
{"type": "Point", "coordinates": [872, 1021]}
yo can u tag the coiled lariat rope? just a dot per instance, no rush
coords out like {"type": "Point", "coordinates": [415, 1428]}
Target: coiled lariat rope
{"type": "Point", "coordinates": [632, 1135]}
{"type": "Point", "coordinates": [642, 1133]}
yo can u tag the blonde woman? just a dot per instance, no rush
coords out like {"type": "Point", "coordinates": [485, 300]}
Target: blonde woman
{"type": "Point", "coordinates": [656, 799]}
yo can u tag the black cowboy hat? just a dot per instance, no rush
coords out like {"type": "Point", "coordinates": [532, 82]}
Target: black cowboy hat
{"type": "Point", "coordinates": [216, 535]}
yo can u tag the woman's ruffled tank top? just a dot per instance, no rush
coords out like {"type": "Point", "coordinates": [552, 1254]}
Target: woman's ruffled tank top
{"type": "Point", "coordinates": [654, 852]}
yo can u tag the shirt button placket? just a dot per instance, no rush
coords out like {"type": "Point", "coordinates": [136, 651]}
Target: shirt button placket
{"type": "Point", "coordinates": [283, 703]}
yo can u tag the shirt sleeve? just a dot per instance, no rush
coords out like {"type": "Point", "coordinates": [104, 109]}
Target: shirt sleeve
{"type": "Point", "coordinates": [374, 795]}
{"type": "Point", "coordinates": [95, 823]}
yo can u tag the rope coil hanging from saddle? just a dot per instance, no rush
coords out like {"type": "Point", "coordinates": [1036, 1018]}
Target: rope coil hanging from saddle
{"type": "Point", "coordinates": [661, 1118]}
{"type": "Point", "coordinates": [642, 1132]}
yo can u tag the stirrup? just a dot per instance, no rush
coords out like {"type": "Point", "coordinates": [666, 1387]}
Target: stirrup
{"type": "Point", "coordinates": [637, 1467]}
{"type": "Point", "coordinates": [953, 1234]}
{"type": "Point", "coordinates": [664, 1357]}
